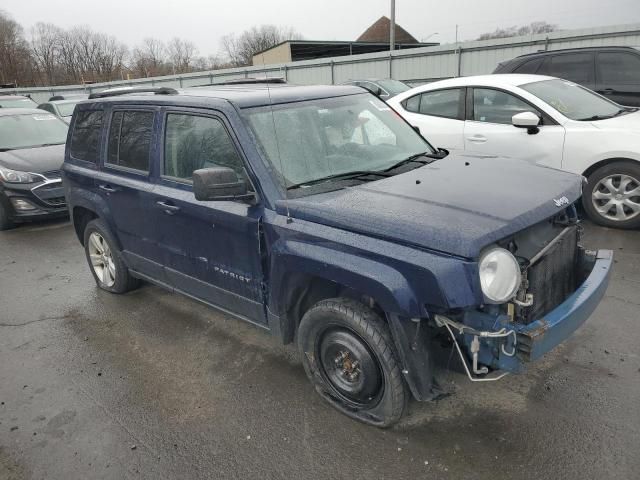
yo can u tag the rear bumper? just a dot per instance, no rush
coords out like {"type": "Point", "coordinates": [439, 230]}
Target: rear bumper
{"type": "Point", "coordinates": [531, 341]}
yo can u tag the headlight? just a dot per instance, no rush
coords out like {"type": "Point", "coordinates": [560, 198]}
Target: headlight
{"type": "Point", "coordinates": [499, 275]}
{"type": "Point", "coordinates": [14, 176]}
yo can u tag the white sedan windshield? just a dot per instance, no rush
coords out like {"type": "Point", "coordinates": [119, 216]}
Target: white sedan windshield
{"type": "Point", "coordinates": [572, 100]}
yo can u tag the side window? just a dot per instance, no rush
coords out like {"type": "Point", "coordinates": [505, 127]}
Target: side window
{"type": "Point", "coordinates": [494, 106]}
{"type": "Point", "coordinates": [618, 67]}
{"type": "Point", "coordinates": [193, 142]}
{"type": "Point", "coordinates": [85, 139]}
{"type": "Point", "coordinates": [575, 67]}
{"type": "Point", "coordinates": [441, 103]}
{"type": "Point", "coordinates": [530, 67]}
{"type": "Point", "coordinates": [412, 104]}
{"type": "Point", "coordinates": [130, 139]}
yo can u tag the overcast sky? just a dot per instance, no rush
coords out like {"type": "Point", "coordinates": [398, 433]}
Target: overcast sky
{"type": "Point", "coordinates": [205, 21]}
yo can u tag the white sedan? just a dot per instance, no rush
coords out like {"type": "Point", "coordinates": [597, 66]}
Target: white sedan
{"type": "Point", "coordinates": [545, 120]}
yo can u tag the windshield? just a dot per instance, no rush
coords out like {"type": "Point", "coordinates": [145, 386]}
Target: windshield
{"type": "Point", "coordinates": [394, 87]}
{"type": "Point", "coordinates": [332, 136]}
{"type": "Point", "coordinates": [66, 109]}
{"type": "Point", "coordinates": [573, 101]}
{"type": "Point", "coordinates": [31, 130]}
{"type": "Point", "coordinates": [9, 102]}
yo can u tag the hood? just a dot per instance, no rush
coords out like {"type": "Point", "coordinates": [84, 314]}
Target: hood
{"type": "Point", "coordinates": [457, 205]}
{"type": "Point", "coordinates": [630, 121]}
{"type": "Point", "coordinates": [36, 160]}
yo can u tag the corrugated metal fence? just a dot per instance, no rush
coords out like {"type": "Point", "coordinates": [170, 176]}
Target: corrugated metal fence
{"type": "Point", "coordinates": [415, 66]}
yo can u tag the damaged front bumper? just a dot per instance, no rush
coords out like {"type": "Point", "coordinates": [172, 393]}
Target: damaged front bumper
{"type": "Point", "coordinates": [520, 344]}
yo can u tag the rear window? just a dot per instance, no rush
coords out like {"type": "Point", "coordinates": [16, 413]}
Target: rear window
{"type": "Point", "coordinates": [130, 139]}
{"type": "Point", "coordinates": [85, 140]}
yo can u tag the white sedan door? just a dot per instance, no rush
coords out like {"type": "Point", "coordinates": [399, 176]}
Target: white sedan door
{"type": "Point", "coordinates": [489, 130]}
{"type": "Point", "coordinates": [439, 114]}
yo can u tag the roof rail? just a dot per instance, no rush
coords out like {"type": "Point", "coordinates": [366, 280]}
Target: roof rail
{"type": "Point", "coordinates": [570, 49]}
{"type": "Point", "coordinates": [251, 80]}
{"type": "Point", "coordinates": [128, 90]}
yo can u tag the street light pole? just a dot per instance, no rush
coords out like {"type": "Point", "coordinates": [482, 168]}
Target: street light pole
{"type": "Point", "coordinates": [392, 28]}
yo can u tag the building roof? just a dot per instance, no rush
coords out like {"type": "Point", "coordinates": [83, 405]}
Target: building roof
{"type": "Point", "coordinates": [380, 31]}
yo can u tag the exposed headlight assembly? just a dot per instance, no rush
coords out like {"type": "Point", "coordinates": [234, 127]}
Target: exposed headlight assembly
{"type": "Point", "coordinates": [14, 176]}
{"type": "Point", "coordinates": [499, 275]}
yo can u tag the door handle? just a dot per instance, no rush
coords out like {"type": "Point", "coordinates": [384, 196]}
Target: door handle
{"type": "Point", "coordinates": [168, 208]}
{"type": "Point", "coordinates": [477, 139]}
{"type": "Point", "coordinates": [107, 188]}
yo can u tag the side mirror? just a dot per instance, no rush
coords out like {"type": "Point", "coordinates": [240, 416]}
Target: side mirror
{"type": "Point", "coordinates": [376, 90]}
{"type": "Point", "coordinates": [528, 120]}
{"type": "Point", "coordinates": [219, 183]}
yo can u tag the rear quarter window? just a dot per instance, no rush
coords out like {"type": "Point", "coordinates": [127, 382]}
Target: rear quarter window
{"type": "Point", "coordinates": [85, 139]}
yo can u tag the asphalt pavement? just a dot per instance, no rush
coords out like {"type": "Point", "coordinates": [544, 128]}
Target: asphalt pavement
{"type": "Point", "coordinates": [154, 385]}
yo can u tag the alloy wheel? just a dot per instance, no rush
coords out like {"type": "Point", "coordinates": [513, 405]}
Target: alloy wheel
{"type": "Point", "coordinates": [102, 259]}
{"type": "Point", "coordinates": [617, 197]}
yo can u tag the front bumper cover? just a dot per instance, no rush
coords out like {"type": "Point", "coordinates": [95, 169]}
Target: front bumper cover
{"type": "Point", "coordinates": [535, 339]}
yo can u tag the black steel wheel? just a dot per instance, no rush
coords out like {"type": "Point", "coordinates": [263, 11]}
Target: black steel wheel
{"type": "Point", "coordinates": [348, 354]}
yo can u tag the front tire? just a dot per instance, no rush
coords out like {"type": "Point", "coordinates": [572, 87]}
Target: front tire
{"type": "Point", "coordinates": [105, 260]}
{"type": "Point", "coordinates": [612, 195]}
{"type": "Point", "coordinates": [349, 356]}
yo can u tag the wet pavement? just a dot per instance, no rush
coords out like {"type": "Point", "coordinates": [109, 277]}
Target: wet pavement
{"type": "Point", "coordinates": [155, 385]}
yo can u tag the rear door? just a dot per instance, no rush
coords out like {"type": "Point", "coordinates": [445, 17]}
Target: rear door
{"type": "Point", "coordinates": [210, 249]}
{"type": "Point", "coordinates": [439, 114]}
{"type": "Point", "coordinates": [618, 77]}
{"type": "Point", "coordinates": [125, 185]}
{"type": "Point", "coordinates": [489, 128]}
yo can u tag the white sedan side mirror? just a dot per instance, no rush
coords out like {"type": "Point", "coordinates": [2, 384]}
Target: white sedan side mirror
{"type": "Point", "coordinates": [528, 120]}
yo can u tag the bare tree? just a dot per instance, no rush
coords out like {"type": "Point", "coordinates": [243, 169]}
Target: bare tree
{"type": "Point", "coordinates": [241, 49]}
{"type": "Point", "coordinates": [149, 58]}
{"type": "Point", "coordinates": [181, 54]}
{"type": "Point", "coordinates": [15, 57]}
{"type": "Point", "coordinates": [45, 48]}
{"type": "Point", "coordinates": [531, 29]}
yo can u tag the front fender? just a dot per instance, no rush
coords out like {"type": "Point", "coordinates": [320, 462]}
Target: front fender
{"type": "Point", "coordinates": [382, 282]}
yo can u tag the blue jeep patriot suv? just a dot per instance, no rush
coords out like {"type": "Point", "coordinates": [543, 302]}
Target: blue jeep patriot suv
{"type": "Point", "coordinates": [320, 215]}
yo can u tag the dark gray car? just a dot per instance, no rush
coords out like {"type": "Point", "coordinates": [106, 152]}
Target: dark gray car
{"type": "Point", "coordinates": [611, 71]}
{"type": "Point", "coordinates": [31, 154]}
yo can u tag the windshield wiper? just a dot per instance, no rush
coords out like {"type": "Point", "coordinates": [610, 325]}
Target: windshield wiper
{"type": "Point", "coordinates": [416, 159]}
{"type": "Point", "coordinates": [605, 117]}
{"type": "Point", "coordinates": [341, 176]}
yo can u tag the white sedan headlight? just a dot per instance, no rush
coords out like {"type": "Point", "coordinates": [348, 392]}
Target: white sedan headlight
{"type": "Point", "coordinates": [499, 275]}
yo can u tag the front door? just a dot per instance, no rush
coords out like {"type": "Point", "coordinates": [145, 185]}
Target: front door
{"type": "Point", "coordinates": [489, 129]}
{"type": "Point", "coordinates": [211, 249]}
{"type": "Point", "coordinates": [618, 77]}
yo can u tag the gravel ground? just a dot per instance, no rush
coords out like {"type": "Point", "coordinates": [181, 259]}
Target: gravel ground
{"type": "Point", "coordinates": [154, 385]}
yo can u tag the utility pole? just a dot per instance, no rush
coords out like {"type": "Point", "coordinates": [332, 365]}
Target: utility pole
{"type": "Point", "coordinates": [392, 28]}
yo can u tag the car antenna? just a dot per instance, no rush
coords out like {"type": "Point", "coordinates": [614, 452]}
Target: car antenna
{"type": "Point", "coordinates": [275, 133]}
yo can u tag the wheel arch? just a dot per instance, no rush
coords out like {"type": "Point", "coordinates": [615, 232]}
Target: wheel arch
{"type": "Point", "coordinates": [306, 274]}
{"type": "Point", "coordinates": [606, 161]}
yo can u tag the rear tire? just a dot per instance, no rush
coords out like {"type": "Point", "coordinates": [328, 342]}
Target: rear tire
{"type": "Point", "coordinates": [105, 260]}
{"type": "Point", "coordinates": [5, 222]}
{"type": "Point", "coordinates": [349, 356]}
{"type": "Point", "coordinates": [612, 195]}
